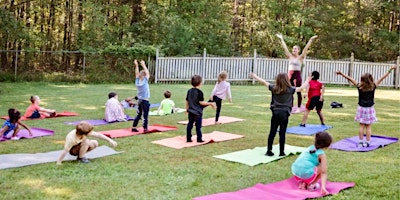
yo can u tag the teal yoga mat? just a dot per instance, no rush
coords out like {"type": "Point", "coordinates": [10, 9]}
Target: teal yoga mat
{"type": "Point", "coordinates": [253, 157]}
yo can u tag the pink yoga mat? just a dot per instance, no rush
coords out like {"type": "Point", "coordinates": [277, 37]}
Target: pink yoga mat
{"type": "Point", "coordinates": [296, 111]}
{"type": "Point", "coordinates": [179, 142]}
{"type": "Point", "coordinates": [282, 190]}
{"type": "Point", "coordinates": [128, 131]}
{"type": "Point", "coordinates": [211, 121]}
{"type": "Point", "coordinates": [62, 114]}
{"type": "Point", "coordinates": [36, 132]}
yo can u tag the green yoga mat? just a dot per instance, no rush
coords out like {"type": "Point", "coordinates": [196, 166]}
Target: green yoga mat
{"type": "Point", "coordinates": [253, 157]}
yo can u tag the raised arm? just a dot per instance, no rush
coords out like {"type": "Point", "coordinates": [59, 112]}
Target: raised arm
{"type": "Point", "coordinates": [143, 64]}
{"type": "Point", "coordinates": [136, 68]}
{"type": "Point", "coordinates": [347, 77]}
{"type": "Point", "coordinates": [304, 85]}
{"type": "Point", "coordinates": [304, 52]}
{"type": "Point", "coordinates": [379, 81]}
{"type": "Point", "coordinates": [287, 52]}
{"type": "Point", "coordinates": [253, 75]}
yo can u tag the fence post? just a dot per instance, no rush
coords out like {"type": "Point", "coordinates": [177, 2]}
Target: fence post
{"type": "Point", "coordinates": [16, 65]}
{"type": "Point", "coordinates": [254, 64]}
{"type": "Point", "coordinates": [204, 64]}
{"type": "Point", "coordinates": [397, 73]}
{"type": "Point", "coordinates": [351, 67]}
{"type": "Point", "coordinates": [155, 66]}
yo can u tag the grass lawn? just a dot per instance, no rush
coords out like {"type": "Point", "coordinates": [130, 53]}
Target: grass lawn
{"type": "Point", "coordinates": [150, 171]}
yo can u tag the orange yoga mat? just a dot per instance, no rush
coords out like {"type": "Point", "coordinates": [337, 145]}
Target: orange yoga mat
{"type": "Point", "coordinates": [61, 114]}
{"type": "Point", "coordinates": [179, 142]}
{"type": "Point", "coordinates": [128, 131]}
{"type": "Point", "coordinates": [211, 121]}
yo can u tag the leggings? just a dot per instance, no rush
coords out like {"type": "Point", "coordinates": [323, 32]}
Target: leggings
{"type": "Point", "coordinates": [144, 107]}
{"type": "Point", "coordinates": [280, 118]}
{"type": "Point", "coordinates": [218, 102]}
{"type": "Point", "coordinates": [296, 75]}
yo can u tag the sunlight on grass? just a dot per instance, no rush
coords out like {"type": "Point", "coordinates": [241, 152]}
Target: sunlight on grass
{"type": "Point", "coordinates": [52, 191]}
{"type": "Point", "coordinates": [33, 183]}
{"type": "Point", "coordinates": [59, 142]}
{"type": "Point", "coordinates": [86, 107]}
{"type": "Point", "coordinates": [342, 114]}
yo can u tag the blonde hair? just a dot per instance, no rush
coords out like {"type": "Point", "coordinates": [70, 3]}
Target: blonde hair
{"type": "Point", "coordinates": [222, 76]}
{"type": "Point", "coordinates": [83, 128]}
{"type": "Point", "coordinates": [34, 98]}
{"type": "Point", "coordinates": [367, 82]}
{"type": "Point", "coordinates": [281, 84]}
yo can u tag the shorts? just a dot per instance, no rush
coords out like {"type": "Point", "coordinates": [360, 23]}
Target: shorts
{"type": "Point", "coordinates": [365, 115]}
{"type": "Point", "coordinates": [308, 180]}
{"type": "Point", "coordinates": [35, 114]}
{"type": "Point", "coordinates": [314, 103]}
{"type": "Point", "coordinates": [75, 150]}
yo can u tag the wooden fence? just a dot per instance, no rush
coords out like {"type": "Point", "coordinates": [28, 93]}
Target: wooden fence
{"type": "Point", "coordinates": [178, 69]}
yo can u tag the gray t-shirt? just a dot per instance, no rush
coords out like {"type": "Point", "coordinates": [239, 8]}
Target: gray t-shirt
{"type": "Point", "coordinates": [282, 101]}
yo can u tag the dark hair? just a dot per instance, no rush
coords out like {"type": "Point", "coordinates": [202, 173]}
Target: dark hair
{"type": "Point", "coordinates": [111, 95]}
{"type": "Point", "coordinates": [315, 75]}
{"type": "Point", "coordinates": [167, 94]}
{"type": "Point", "coordinates": [196, 80]}
{"type": "Point", "coordinates": [14, 115]}
{"type": "Point", "coordinates": [322, 140]}
{"type": "Point", "coordinates": [281, 84]}
{"type": "Point", "coordinates": [367, 82]}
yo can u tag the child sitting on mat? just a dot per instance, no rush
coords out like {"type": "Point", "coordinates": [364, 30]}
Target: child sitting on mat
{"type": "Point", "coordinates": [281, 107]}
{"type": "Point", "coordinates": [312, 164]}
{"type": "Point", "coordinates": [35, 111]}
{"type": "Point", "coordinates": [194, 107]}
{"type": "Point", "coordinates": [222, 89]}
{"type": "Point", "coordinates": [167, 106]}
{"type": "Point", "coordinates": [365, 114]}
{"type": "Point", "coordinates": [77, 143]}
{"type": "Point", "coordinates": [12, 124]}
{"type": "Point", "coordinates": [128, 102]}
{"type": "Point", "coordinates": [315, 91]}
{"type": "Point", "coordinates": [114, 110]}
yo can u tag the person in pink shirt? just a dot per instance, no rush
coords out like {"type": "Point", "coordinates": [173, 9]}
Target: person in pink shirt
{"type": "Point", "coordinates": [221, 90]}
{"type": "Point", "coordinates": [315, 92]}
{"type": "Point", "coordinates": [35, 111]}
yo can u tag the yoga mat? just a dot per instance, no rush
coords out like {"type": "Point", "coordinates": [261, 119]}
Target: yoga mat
{"type": "Point", "coordinates": [97, 122]}
{"type": "Point", "coordinates": [36, 132]}
{"type": "Point", "coordinates": [253, 157]}
{"type": "Point", "coordinates": [61, 114]}
{"type": "Point", "coordinates": [302, 109]}
{"type": "Point", "coordinates": [179, 142]}
{"type": "Point", "coordinates": [282, 190]}
{"type": "Point", "coordinates": [25, 159]}
{"type": "Point", "coordinates": [211, 121]}
{"type": "Point", "coordinates": [310, 129]}
{"type": "Point", "coordinates": [128, 131]}
{"type": "Point", "coordinates": [155, 113]}
{"type": "Point", "coordinates": [351, 144]}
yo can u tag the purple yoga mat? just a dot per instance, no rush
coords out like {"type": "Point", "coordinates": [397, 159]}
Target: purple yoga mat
{"type": "Point", "coordinates": [97, 122]}
{"type": "Point", "coordinates": [351, 144]}
{"type": "Point", "coordinates": [36, 132]}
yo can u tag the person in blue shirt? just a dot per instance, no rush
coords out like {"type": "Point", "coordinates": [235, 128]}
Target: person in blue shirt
{"type": "Point", "coordinates": [11, 125]}
{"type": "Point", "coordinates": [312, 164]}
{"type": "Point", "coordinates": [143, 94]}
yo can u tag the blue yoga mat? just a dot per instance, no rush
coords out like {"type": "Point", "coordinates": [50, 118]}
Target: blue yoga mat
{"type": "Point", "coordinates": [310, 129]}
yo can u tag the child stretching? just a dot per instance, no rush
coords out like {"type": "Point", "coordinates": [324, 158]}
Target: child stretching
{"type": "Point", "coordinates": [365, 114]}
{"type": "Point", "coordinates": [281, 106]}
{"type": "Point", "coordinates": [143, 94]}
{"type": "Point", "coordinates": [167, 106]}
{"type": "Point", "coordinates": [194, 106]}
{"type": "Point", "coordinates": [77, 143]}
{"type": "Point", "coordinates": [35, 111]}
{"type": "Point", "coordinates": [312, 165]}
{"type": "Point", "coordinates": [221, 90]}
{"type": "Point", "coordinates": [11, 124]}
{"type": "Point", "coordinates": [315, 92]}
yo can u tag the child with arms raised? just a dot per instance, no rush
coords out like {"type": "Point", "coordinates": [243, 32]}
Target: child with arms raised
{"type": "Point", "coordinates": [12, 124]}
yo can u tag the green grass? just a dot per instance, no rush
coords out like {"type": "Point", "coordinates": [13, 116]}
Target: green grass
{"type": "Point", "coordinates": [150, 171]}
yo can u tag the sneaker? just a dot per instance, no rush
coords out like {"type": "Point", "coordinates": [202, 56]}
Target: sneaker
{"type": "Point", "coordinates": [313, 187]}
{"type": "Point", "coordinates": [269, 153]}
{"type": "Point", "coordinates": [302, 125]}
{"type": "Point", "coordinates": [282, 154]}
{"type": "Point", "coordinates": [360, 144]}
{"type": "Point", "coordinates": [83, 160]}
{"type": "Point", "coordinates": [15, 138]}
{"type": "Point", "coordinates": [135, 130]}
{"type": "Point", "coordinates": [200, 141]}
{"type": "Point", "coordinates": [366, 144]}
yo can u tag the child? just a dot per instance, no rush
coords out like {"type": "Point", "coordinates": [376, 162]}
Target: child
{"type": "Point", "coordinates": [114, 110]}
{"type": "Point", "coordinates": [221, 90]}
{"type": "Point", "coordinates": [35, 111]}
{"type": "Point", "coordinates": [77, 143]}
{"type": "Point", "coordinates": [167, 106]}
{"type": "Point", "coordinates": [315, 92]}
{"type": "Point", "coordinates": [11, 124]}
{"type": "Point", "coordinates": [281, 106]}
{"type": "Point", "coordinates": [312, 165]}
{"type": "Point", "coordinates": [143, 94]}
{"type": "Point", "coordinates": [365, 114]}
{"type": "Point", "coordinates": [128, 102]}
{"type": "Point", "coordinates": [194, 106]}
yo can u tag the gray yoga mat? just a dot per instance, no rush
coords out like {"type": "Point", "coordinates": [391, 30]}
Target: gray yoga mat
{"type": "Point", "coordinates": [25, 159]}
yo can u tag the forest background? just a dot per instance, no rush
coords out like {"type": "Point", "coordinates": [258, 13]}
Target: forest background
{"type": "Point", "coordinates": [54, 36]}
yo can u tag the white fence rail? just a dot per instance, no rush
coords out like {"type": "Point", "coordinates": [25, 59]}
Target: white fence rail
{"type": "Point", "coordinates": [178, 69]}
